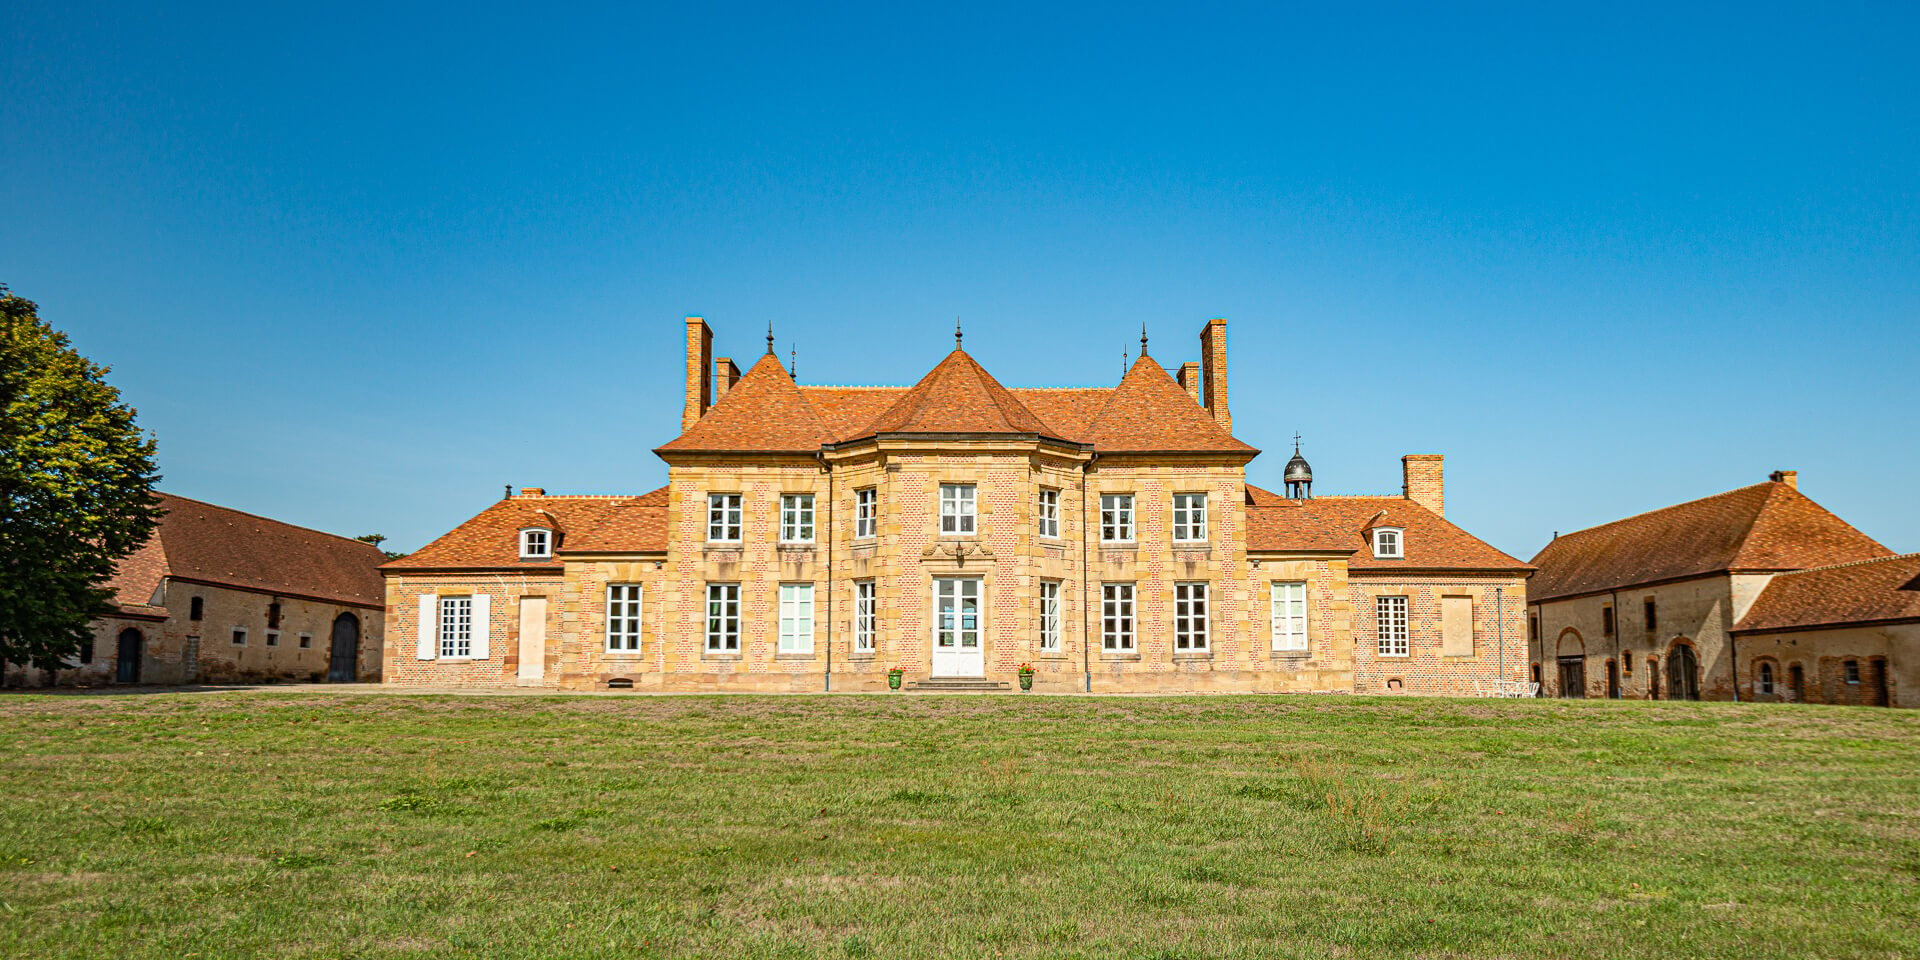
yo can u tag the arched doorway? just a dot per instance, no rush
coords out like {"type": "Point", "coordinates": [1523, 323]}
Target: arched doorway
{"type": "Point", "coordinates": [1683, 673]}
{"type": "Point", "coordinates": [343, 657]}
{"type": "Point", "coordinates": [1573, 665]}
{"type": "Point", "coordinates": [127, 656]}
{"type": "Point", "coordinates": [1797, 682]}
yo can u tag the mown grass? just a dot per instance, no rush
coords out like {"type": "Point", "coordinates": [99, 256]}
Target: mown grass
{"type": "Point", "coordinates": [332, 825]}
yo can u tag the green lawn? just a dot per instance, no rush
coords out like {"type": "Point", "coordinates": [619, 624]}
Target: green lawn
{"type": "Point", "coordinates": [317, 824]}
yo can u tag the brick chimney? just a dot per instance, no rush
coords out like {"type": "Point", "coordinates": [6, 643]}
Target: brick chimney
{"type": "Point", "coordinates": [699, 371]}
{"type": "Point", "coordinates": [1424, 482]}
{"type": "Point", "coordinates": [1789, 477]}
{"type": "Point", "coordinates": [1189, 380]}
{"type": "Point", "coordinates": [1213, 372]}
{"type": "Point", "coordinates": [533, 491]}
{"type": "Point", "coordinates": [727, 373]}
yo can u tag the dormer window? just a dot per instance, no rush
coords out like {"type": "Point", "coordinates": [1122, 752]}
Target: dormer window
{"type": "Point", "coordinates": [536, 543]}
{"type": "Point", "coordinates": [1387, 543]}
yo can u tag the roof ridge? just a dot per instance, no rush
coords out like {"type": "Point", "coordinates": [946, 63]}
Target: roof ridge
{"type": "Point", "coordinates": [271, 520]}
{"type": "Point", "coordinates": [1671, 506]}
{"type": "Point", "coordinates": [1848, 563]}
{"type": "Point", "coordinates": [577, 496]}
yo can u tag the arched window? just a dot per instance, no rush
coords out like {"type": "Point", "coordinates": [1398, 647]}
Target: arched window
{"type": "Point", "coordinates": [1388, 544]}
{"type": "Point", "coordinates": [1766, 679]}
{"type": "Point", "coordinates": [536, 543]}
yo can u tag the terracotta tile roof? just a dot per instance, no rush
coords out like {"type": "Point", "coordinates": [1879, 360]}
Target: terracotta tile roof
{"type": "Point", "coordinates": [1430, 541]}
{"type": "Point", "coordinates": [767, 412]}
{"type": "Point", "coordinates": [764, 412]}
{"type": "Point", "coordinates": [1864, 591]}
{"type": "Point", "coordinates": [491, 539]}
{"type": "Point", "coordinates": [213, 544]}
{"type": "Point", "coordinates": [1149, 412]}
{"type": "Point", "coordinates": [1768, 526]}
{"type": "Point", "coordinates": [958, 396]}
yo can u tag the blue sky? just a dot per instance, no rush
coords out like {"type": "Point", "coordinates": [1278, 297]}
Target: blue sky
{"type": "Point", "coordinates": [360, 267]}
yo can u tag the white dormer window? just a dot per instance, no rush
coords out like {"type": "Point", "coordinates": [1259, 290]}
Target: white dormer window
{"type": "Point", "coordinates": [1387, 543]}
{"type": "Point", "coordinates": [536, 543]}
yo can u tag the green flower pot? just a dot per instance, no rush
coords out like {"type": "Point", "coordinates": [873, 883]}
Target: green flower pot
{"type": "Point", "coordinates": [893, 681]}
{"type": "Point", "coordinates": [1026, 681]}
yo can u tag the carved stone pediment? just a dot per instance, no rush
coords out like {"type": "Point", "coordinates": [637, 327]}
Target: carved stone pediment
{"type": "Point", "coordinates": [957, 551]}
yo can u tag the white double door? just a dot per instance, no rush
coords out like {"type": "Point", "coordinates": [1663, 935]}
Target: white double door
{"type": "Point", "coordinates": [957, 648]}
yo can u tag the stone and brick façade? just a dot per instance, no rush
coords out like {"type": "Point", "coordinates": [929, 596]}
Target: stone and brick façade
{"type": "Point", "coordinates": [766, 438]}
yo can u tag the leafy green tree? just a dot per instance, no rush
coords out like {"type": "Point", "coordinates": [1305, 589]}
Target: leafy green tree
{"type": "Point", "coordinates": [377, 539]}
{"type": "Point", "coordinates": [76, 488]}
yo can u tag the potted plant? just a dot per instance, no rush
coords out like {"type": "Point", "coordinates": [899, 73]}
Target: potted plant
{"type": "Point", "coordinates": [894, 676]}
{"type": "Point", "coordinates": [1026, 676]}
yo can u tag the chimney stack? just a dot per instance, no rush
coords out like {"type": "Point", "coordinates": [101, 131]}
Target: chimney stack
{"type": "Point", "coordinates": [1189, 380]}
{"type": "Point", "coordinates": [1424, 481]}
{"type": "Point", "coordinates": [699, 371]}
{"type": "Point", "coordinates": [1213, 372]}
{"type": "Point", "coordinates": [1789, 477]}
{"type": "Point", "coordinates": [728, 374]}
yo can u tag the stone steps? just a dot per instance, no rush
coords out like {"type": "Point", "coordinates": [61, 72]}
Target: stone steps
{"type": "Point", "coordinates": [957, 685]}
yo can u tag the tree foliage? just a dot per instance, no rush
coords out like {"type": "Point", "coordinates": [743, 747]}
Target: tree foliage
{"type": "Point", "coordinates": [76, 488]}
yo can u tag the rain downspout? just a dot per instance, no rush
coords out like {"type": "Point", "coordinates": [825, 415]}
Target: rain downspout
{"type": "Point", "coordinates": [1086, 536]}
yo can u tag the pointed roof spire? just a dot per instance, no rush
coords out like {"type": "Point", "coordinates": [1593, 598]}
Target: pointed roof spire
{"type": "Point", "coordinates": [769, 338]}
{"type": "Point", "coordinates": [958, 396]}
{"type": "Point", "coordinates": [793, 362]}
{"type": "Point", "coordinates": [1143, 338]}
{"type": "Point", "coordinates": [956, 331]}
{"type": "Point", "coordinates": [1149, 412]}
{"type": "Point", "coordinates": [765, 411]}
{"type": "Point", "coordinates": [1124, 367]}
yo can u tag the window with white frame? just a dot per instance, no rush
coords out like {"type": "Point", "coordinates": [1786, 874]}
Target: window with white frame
{"type": "Point", "coordinates": [623, 618]}
{"type": "Point", "coordinates": [723, 618]}
{"type": "Point", "coordinates": [1387, 543]}
{"type": "Point", "coordinates": [1289, 616]}
{"type": "Point", "coordinates": [1049, 512]}
{"type": "Point", "coordinates": [273, 638]}
{"type": "Point", "coordinates": [1050, 615]}
{"type": "Point", "coordinates": [866, 512]}
{"type": "Point", "coordinates": [796, 618]}
{"type": "Point", "coordinates": [456, 627]}
{"type": "Point", "coordinates": [957, 508]}
{"type": "Point", "coordinates": [1190, 517]}
{"type": "Point", "coordinates": [1116, 517]}
{"type": "Point", "coordinates": [865, 615]}
{"type": "Point", "coordinates": [1116, 617]}
{"type": "Point", "coordinates": [1190, 617]}
{"type": "Point", "coordinates": [1390, 625]}
{"type": "Point", "coordinates": [536, 543]}
{"type": "Point", "coordinates": [723, 517]}
{"type": "Point", "coordinates": [796, 518]}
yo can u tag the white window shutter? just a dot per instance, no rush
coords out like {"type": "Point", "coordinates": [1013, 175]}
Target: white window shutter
{"type": "Point", "coordinates": [429, 627]}
{"type": "Point", "coordinates": [481, 622]}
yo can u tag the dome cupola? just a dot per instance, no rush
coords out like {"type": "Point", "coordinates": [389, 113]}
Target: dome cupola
{"type": "Point", "coordinates": [1299, 474]}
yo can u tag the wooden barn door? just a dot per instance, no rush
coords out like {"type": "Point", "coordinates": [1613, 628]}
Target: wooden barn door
{"type": "Point", "coordinates": [127, 665]}
{"type": "Point", "coordinates": [343, 657]}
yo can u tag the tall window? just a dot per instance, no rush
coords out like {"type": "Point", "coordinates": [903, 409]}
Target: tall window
{"type": "Point", "coordinates": [1390, 625]}
{"type": "Point", "coordinates": [1049, 512]}
{"type": "Point", "coordinates": [796, 618]}
{"type": "Point", "coordinates": [1116, 616]}
{"type": "Point", "coordinates": [1116, 517]}
{"type": "Point", "coordinates": [1851, 669]}
{"type": "Point", "coordinates": [1190, 617]}
{"type": "Point", "coordinates": [723, 517]}
{"type": "Point", "coordinates": [957, 508]}
{"type": "Point", "coordinates": [456, 627]}
{"type": "Point", "coordinates": [866, 512]}
{"type": "Point", "coordinates": [623, 618]}
{"type": "Point", "coordinates": [1289, 616]}
{"type": "Point", "coordinates": [1190, 516]}
{"type": "Point", "coordinates": [723, 618]}
{"type": "Point", "coordinates": [197, 609]}
{"type": "Point", "coordinates": [273, 615]}
{"type": "Point", "coordinates": [1653, 615]}
{"type": "Point", "coordinates": [1766, 678]}
{"type": "Point", "coordinates": [1606, 621]}
{"type": "Point", "coordinates": [1049, 615]}
{"type": "Point", "coordinates": [796, 518]}
{"type": "Point", "coordinates": [1387, 543]}
{"type": "Point", "coordinates": [865, 615]}
{"type": "Point", "coordinates": [536, 544]}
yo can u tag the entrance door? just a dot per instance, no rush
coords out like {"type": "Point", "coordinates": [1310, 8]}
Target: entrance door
{"type": "Point", "coordinates": [127, 662]}
{"type": "Point", "coordinates": [956, 628]}
{"type": "Point", "coordinates": [1613, 680]}
{"type": "Point", "coordinates": [343, 657]}
{"type": "Point", "coordinates": [1683, 674]}
{"type": "Point", "coordinates": [533, 640]}
{"type": "Point", "coordinates": [1573, 677]}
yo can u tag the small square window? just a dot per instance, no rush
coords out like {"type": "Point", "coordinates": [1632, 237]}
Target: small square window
{"type": "Point", "coordinates": [273, 638]}
{"type": "Point", "coordinates": [1116, 517]}
{"type": "Point", "coordinates": [957, 509]}
{"type": "Point", "coordinates": [1388, 543]}
{"type": "Point", "coordinates": [239, 636]}
{"type": "Point", "coordinates": [306, 641]}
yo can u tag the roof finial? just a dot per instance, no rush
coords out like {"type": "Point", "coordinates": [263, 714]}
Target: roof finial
{"type": "Point", "coordinates": [1123, 363]}
{"type": "Point", "coordinates": [1296, 441]}
{"type": "Point", "coordinates": [1143, 338]}
{"type": "Point", "coordinates": [956, 331]}
{"type": "Point", "coordinates": [769, 336]}
{"type": "Point", "coordinates": [793, 362]}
